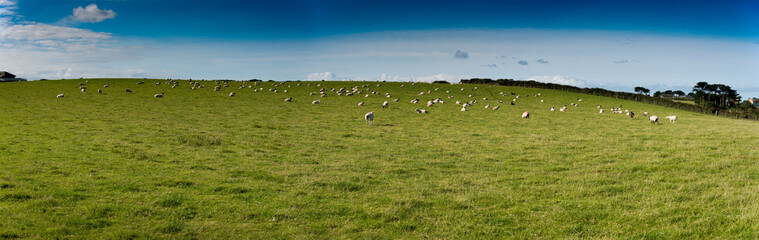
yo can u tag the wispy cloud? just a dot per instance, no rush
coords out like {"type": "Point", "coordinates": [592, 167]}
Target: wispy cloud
{"type": "Point", "coordinates": [542, 61]}
{"type": "Point", "coordinates": [89, 14]}
{"type": "Point", "coordinates": [623, 61]}
{"type": "Point", "coordinates": [491, 65]}
{"type": "Point", "coordinates": [523, 62]}
{"type": "Point", "coordinates": [461, 55]}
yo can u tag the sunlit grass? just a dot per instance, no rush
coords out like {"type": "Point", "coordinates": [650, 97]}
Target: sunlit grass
{"type": "Point", "coordinates": [200, 164]}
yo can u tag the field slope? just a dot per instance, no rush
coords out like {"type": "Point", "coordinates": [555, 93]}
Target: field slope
{"type": "Point", "coordinates": [200, 164]}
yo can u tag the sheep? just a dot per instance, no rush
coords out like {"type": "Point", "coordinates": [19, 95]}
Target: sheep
{"type": "Point", "coordinates": [463, 109]}
{"type": "Point", "coordinates": [601, 111]}
{"type": "Point", "coordinates": [496, 107]}
{"type": "Point", "coordinates": [232, 94]}
{"type": "Point", "coordinates": [128, 91]}
{"type": "Point", "coordinates": [553, 109]}
{"type": "Point", "coordinates": [385, 104]}
{"type": "Point", "coordinates": [541, 100]}
{"type": "Point", "coordinates": [105, 86]}
{"type": "Point", "coordinates": [369, 117]}
{"type": "Point", "coordinates": [487, 106]}
{"type": "Point", "coordinates": [654, 119]}
{"type": "Point", "coordinates": [100, 91]}
{"type": "Point", "coordinates": [59, 95]}
{"type": "Point", "coordinates": [632, 115]}
{"type": "Point", "coordinates": [158, 95]}
{"type": "Point", "coordinates": [672, 119]}
{"type": "Point", "coordinates": [288, 99]}
{"type": "Point", "coordinates": [429, 103]}
{"type": "Point", "coordinates": [512, 103]}
{"type": "Point", "coordinates": [420, 110]}
{"type": "Point", "coordinates": [316, 102]}
{"type": "Point", "coordinates": [396, 100]}
{"type": "Point", "coordinates": [526, 114]}
{"type": "Point", "coordinates": [360, 104]}
{"type": "Point", "coordinates": [645, 114]}
{"type": "Point", "coordinates": [564, 109]}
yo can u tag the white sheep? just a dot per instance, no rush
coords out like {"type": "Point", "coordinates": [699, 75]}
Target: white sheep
{"type": "Point", "coordinates": [59, 95]}
{"type": "Point", "coordinates": [420, 111]}
{"type": "Point", "coordinates": [487, 106]}
{"type": "Point", "coordinates": [288, 99]}
{"type": "Point", "coordinates": [553, 109]}
{"type": "Point", "coordinates": [672, 119]}
{"type": "Point", "coordinates": [83, 90]}
{"type": "Point", "coordinates": [463, 109]}
{"type": "Point", "coordinates": [316, 102]}
{"type": "Point", "coordinates": [496, 107]}
{"type": "Point", "coordinates": [654, 119]}
{"type": "Point", "coordinates": [526, 114]}
{"type": "Point", "coordinates": [360, 104]}
{"type": "Point", "coordinates": [158, 95]}
{"type": "Point", "coordinates": [385, 104]}
{"type": "Point", "coordinates": [369, 117]}
{"type": "Point", "coordinates": [232, 94]}
{"type": "Point", "coordinates": [601, 111]}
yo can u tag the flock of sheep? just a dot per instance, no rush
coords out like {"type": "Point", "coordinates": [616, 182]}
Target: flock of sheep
{"type": "Point", "coordinates": [367, 90]}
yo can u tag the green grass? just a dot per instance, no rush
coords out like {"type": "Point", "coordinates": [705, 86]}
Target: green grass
{"type": "Point", "coordinates": [199, 164]}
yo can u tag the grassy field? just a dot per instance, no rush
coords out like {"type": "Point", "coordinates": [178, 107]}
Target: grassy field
{"type": "Point", "coordinates": [200, 164]}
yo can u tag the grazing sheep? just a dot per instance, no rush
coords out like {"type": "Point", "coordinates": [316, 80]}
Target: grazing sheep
{"type": "Point", "coordinates": [369, 117]}
{"type": "Point", "coordinates": [288, 99]}
{"type": "Point", "coordinates": [526, 114]}
{"type": "Point", "coordinates": [420, 110]}
{"type": "Point", "coordinates": [105, 86]}
{"type": "Point", "coordinates": [541, 100]}
{"type": "Point", "coordinates": [512, 103]}
{"type": "Point", "coordinates": [128, 91]}
{"type": "Point", "coordinates": [232, 94]}
{"type": "Point", "coordinates": [496, 107]}
{"type": "Point", "coordinates": [59, 95]}
{"type": "Point", "coordinates": [429, 103]}
{"type": "Point", "coordinates": [396, 100]}
{"type": "Point", "coordinates": [100, 91]}
{"type": "Point", "coordinates": [385, 104]}
{"type": "Point", "coordinates": [553, 109]}
{"type": "Point", "coordinates": [645, 114]}
{"type": "Point", "coordinates": [487, 106]}
{"type": "Point", "coordinates": [316, 102]}
{"type": "Point", "coordinates": [601, 111]}
{"type": "Point", "coordinates": [564, 109]}
{"type": "Point", "coordinates": [361, 103]}
{"type": "Point", "coordinates": [654, 119]}
{"type": "Point", "coordinates": [632, 115]}
{"type": "Point", "coordinates": [83, 90]}
{"type": "Point", "coordinates": [158, 95]}
{"type": "Point", "coordinates": [672, 119]}
{"type": "Point", "coordinates": [463, 109]}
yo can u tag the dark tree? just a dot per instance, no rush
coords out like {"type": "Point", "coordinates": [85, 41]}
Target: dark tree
{"type": "Point", "coordinates": [642, 90]}
{"type": "Point", "coordinates": [714, 95]}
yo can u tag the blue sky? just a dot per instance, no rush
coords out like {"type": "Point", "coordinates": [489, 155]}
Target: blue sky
{"type": "Point", "coordinates": [612, 44]}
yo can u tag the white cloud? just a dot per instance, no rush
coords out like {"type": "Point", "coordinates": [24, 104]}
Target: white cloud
{"type": "Point", "coordinates": [329, 76]}
{"type": "Point", "coordinates": [89, 14]}
{"type": "Point", "coordinates": [432, 78]}
{"type": "Point", "coordinates": [558, 79]}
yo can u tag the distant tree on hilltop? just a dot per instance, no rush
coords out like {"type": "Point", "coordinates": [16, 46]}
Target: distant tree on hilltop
{"type": "Point", "coordinates": [642, 90]}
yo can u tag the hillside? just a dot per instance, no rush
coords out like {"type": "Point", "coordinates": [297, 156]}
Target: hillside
{"type": "Point", "coordinates": [200, 164]}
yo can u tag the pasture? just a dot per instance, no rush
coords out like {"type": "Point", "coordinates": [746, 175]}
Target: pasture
{"type": "Point", "coordinates": [200, 164]}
